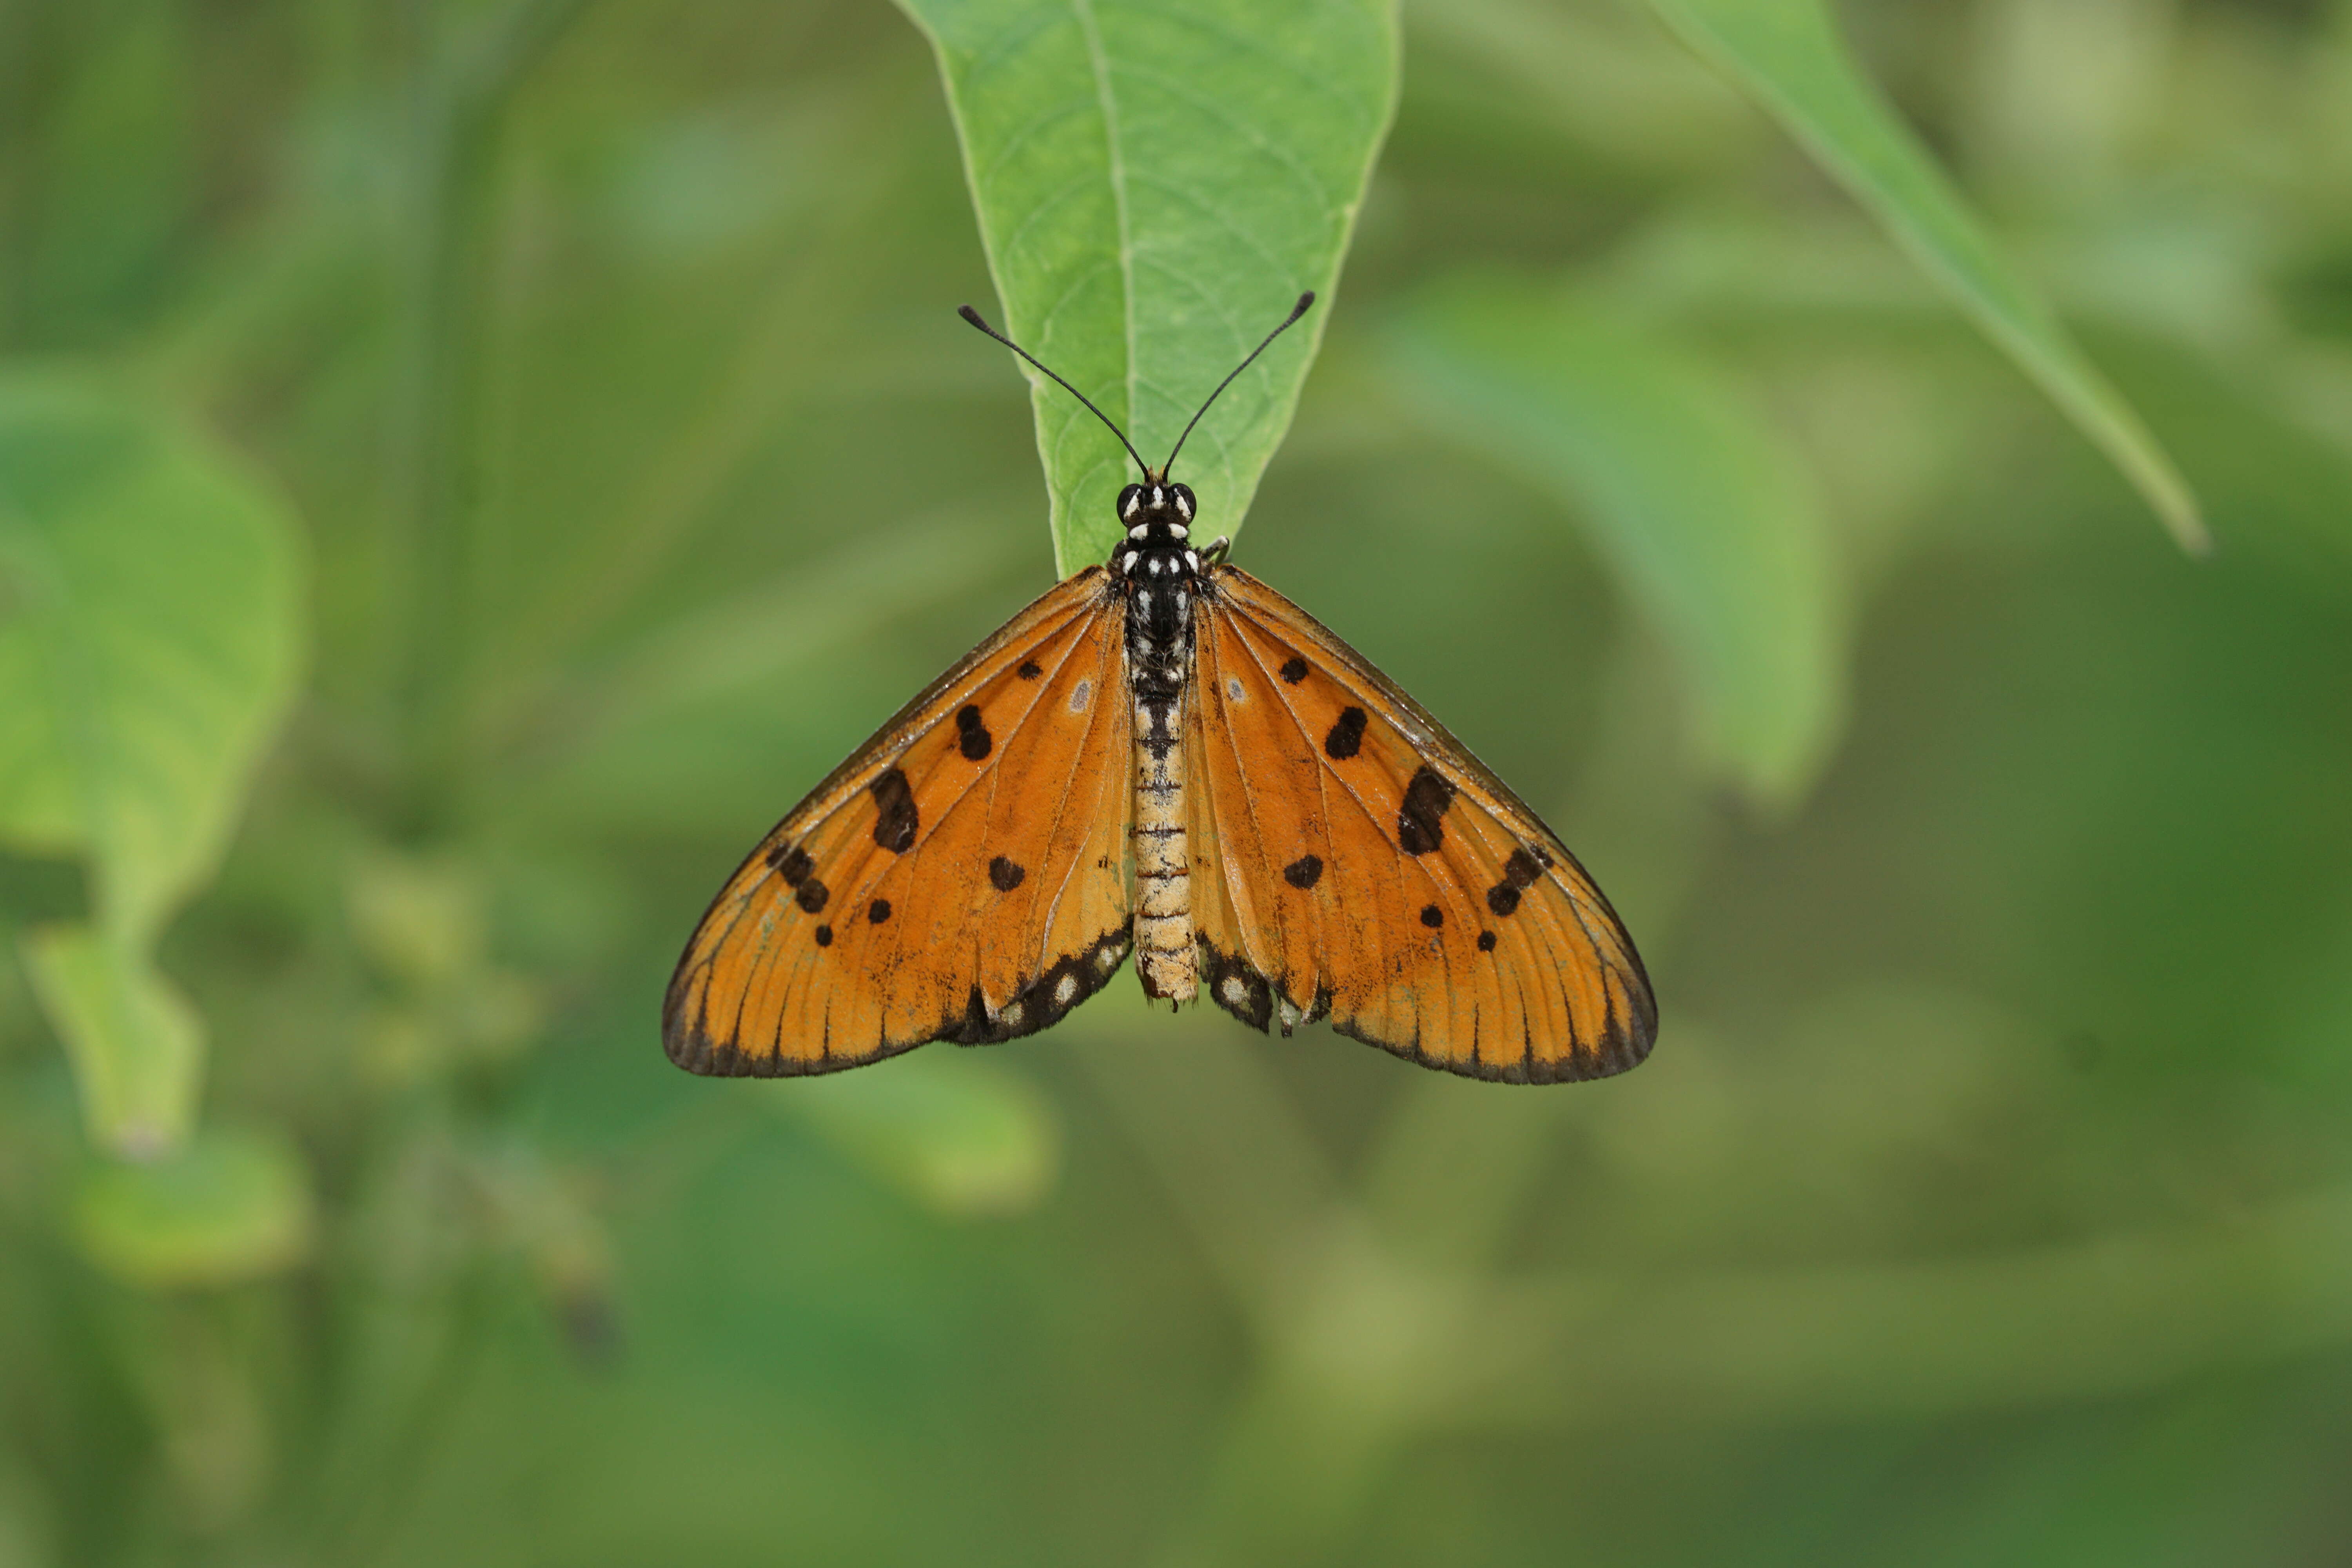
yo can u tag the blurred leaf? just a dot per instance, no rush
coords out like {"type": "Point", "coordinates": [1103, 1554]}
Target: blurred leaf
{"type": "Point", "coordinates": [422, 925]}
{"type": "Point", "coordinates": [958, 1135]}
{"type": "Point", "coordinates": [747, 645]}
{"type": "Point", "coordinates": [541, 1211]}
{"type": "Point", "coordinates": [136, 1045]}
{"type": "Point", "coordinates": [1606, 76]}
{"type": "Point", "coordinates": [27, 1525]}
{"type": "Point", "coordinates": [2278, 489]}
{"type": "Point", "coordinates": [1699, 506]}
{"type": "Point", "coordinates": [148, 648]}
{"type": "Point", "coordinates": [1154, 188]}
{"type": "Point", "coordinates": [2107, 1314]}
{"type": "Point", "coordinates": [1789, 55]}
{"type": "Point", "coordinates": [419, 920]}
{"type": "Point", "coordinates": [228, 1206]}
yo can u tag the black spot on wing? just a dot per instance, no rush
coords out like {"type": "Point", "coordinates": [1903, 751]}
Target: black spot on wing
{"type": "Point", "coordinates": [1303, 873]}
{"type": "Point", "coordinates": [974, 739]}
{"type": "Point", "coordinates": [897, 822]}
{"type": "Point", "coordinates": [1485, 942]}
{"type": "Point", "coordinates": [1420, 820]}
{"type": "Point", "coordinates": [1029, 669]}
{"type": "Point", "coordinates": [824, 936]}
{"type": "Point", "coordinates": [1346, 736]}
{"type": "Point", "coordinates": [812, 895]}
{"type": "Point", "coordinates": [1519, 872]}
{"type": "Point", "coordinates": [878, 910]}
{"type": "Point", "coordinates": [1005, 875]}
{"type": "Point", "coordinates": [1293, 669]}
{"type": "Point", "coordinates": [792, 864]}
{"type": "Point", "coordinates": [1432, 916]}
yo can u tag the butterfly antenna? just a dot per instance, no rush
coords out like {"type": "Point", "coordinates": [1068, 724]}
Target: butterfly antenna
{"type": "Point", "coordinates": [1288, 321]}
{"type": "Point", "coordinates": [969, 314]}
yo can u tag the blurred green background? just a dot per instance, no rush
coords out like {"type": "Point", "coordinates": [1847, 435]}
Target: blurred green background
{"type": "Point", "coordinates": [465, 470]}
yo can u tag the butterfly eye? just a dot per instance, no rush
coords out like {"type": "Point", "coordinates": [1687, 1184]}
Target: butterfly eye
{"type": "Point", "coordinates": [1130, 502]}
{"type": "Point", "coordinates": [1184, 501]}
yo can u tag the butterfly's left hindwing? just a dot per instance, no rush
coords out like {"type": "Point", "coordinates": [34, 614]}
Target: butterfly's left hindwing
{"type": "Point", "coordinates": [1350, 858]}
{"type": "Point", "coordinates": [963, 877]}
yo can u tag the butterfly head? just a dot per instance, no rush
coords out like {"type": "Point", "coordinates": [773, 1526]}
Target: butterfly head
{"type": "Point", "coordinates": [1158, 517]}
{"type": "Point", "coordinates": [1156, 508]}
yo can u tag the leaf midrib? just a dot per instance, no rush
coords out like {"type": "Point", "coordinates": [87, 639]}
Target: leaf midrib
{"type": "Point", "coordinates": [1099, 63]}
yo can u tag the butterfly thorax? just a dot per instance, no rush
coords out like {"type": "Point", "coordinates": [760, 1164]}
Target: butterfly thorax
{"type": "Point", "coordinates": [1160, 572]}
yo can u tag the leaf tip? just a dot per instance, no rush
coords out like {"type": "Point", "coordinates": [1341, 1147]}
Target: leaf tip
{"type": "Point", "coordinates": [2187, 523]}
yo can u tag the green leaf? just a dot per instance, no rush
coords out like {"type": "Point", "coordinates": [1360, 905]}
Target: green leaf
{"type": "Point", "coordinates": [1156, 184]}
{"type": "Point", "coordinates": [228, 1206]}
{"type": "Point", "coordinates": [149, 642]}
{"type": "Point", "coordinates": [958, 1135]}
{"type": "Point", "coordinates": [1701, 509]}
{"type": "Point", "coordinates": [136, 1045]}
{"type": "Point", "coordinates": [1787, 54]}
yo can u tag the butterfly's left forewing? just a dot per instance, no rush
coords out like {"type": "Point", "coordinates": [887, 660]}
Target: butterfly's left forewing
{"type": "Point", "coordinates": [1352, 860]}
{"type": "Point", "coordinates": [962, 877]}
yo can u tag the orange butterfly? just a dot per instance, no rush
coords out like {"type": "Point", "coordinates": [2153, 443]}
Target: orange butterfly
{"type": "Point", "coordinates": [1161, 755]}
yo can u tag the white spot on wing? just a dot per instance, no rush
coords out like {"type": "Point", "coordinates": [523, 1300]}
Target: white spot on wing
{"type": "Point", "coordinates": [1234, 688]}
{"type": "Point", "coordinates": [1011, 1015]}
{"type": "Point", "coordinates": [1066, 991]}
{"type": "Point", "coordinates": [1235, 991]}
{"type": "Point", "coordinates": [1081, 694]}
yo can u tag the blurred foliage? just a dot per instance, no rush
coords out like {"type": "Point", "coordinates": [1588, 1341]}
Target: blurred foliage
{"type": "Point", "coordinates": [466, 467]}
{"type": "Point", "coordinates": [146, 657]}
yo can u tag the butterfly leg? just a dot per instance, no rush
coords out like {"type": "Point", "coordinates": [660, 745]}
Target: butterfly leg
{"type": "Point", "coordinates": [1216, 550]}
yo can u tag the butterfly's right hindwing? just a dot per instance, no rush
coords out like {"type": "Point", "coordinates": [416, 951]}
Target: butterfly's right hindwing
{"type": "Point", "coordinates": [962, 877]}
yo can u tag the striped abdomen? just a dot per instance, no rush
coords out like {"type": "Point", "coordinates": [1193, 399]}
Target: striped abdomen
{"type": "Point", "coordinates": [1165, 958]}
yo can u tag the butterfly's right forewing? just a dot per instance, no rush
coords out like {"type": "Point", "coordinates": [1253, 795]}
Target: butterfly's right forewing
{"type": "Point", "coordinates": [1353, 860]}
{"type": "Point", "coordinates": [963, 877]}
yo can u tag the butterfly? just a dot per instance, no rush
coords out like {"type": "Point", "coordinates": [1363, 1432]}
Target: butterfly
{"type": "Point", "coordinates": [1162, 756]}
